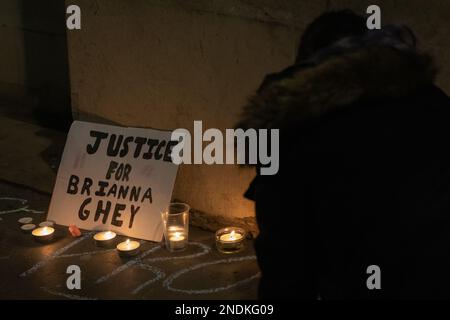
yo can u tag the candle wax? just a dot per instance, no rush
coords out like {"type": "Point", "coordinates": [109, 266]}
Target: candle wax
{"type": "Point", "coordinates": [43, 231]}
{"type": "Point", "coordinates": [177, 236]}
{"type": "Point", "coordinates": [177, 240]}
{"type": "Point", "coordinates": [43, 234]}
{"type": "Point", "coordinates": [105, 235]}
{"type": "Point", "coordinates": [128, 245]}
{"type": "Point", "coordinates": [231, 237]}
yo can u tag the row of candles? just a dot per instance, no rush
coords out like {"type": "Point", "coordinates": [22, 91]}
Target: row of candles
{"type": "Point", "coordinates": [176, 231]}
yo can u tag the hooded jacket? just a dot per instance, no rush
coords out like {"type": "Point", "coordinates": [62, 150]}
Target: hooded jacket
{"type": "Point", "coordinates": [364, 176]}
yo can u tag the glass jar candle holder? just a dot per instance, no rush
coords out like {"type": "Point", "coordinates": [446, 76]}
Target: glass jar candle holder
{"type": "Point", "coordinates": [230, 239]}
{"type": "Point", "coordinates": [176, 226]}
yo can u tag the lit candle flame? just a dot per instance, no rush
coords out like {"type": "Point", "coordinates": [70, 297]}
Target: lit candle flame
{"type": "Point", "coordinates": [127, 242]}
{"type": "Point", "coordinates": [177, 234]}
{"type": "Point", "coordinates": [233, 235]}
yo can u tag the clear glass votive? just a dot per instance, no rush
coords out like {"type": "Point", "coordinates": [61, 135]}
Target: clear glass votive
{"type": "Point", "coordinates": [230, 239]}
{"type": "Point", "coordinates": [176, 226]}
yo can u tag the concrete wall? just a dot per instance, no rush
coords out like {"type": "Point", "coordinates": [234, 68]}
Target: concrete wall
{"type": "Point", "coordinates": [13, 69]}
{"type": "Point", "coordinates": [34, 75]}
{"type": "Point", "coordinates": [164, 64]}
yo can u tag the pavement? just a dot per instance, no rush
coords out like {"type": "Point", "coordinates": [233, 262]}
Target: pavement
{"type": "Point", "coordinates": [30, 153]}
{"type": "Point", "coordinates": [31, 270]}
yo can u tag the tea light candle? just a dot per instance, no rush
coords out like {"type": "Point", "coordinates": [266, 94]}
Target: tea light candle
{"type": "Point", "coordinates": [43, 234]}
{"type": "Point", "coordinates": [104, 238]}
{"type": "Point", "coordinates": [128, 248]}
{"type": "Point", "coordinates": [25, 220]}
{"type": "Point", "coordinates": [27, 228]}
{"type": "Point", "coordinates": [177, 241]}
{"type": "Point", "coordinates": [230, 239]}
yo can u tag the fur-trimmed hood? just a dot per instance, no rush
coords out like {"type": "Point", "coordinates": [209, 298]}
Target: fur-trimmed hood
{"type": "Point", "coordinates": [339, 80]}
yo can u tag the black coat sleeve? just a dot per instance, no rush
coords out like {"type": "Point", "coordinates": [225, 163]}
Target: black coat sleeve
{"type": "Point", "coordinates": [285, 244]}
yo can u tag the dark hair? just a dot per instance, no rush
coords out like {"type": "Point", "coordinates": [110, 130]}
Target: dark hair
{"type": "Point", "coordinates": [327, 29]}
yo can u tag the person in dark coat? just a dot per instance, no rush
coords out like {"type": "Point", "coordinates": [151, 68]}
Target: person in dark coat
{"type": "Point", "coordinates": [364, 173]}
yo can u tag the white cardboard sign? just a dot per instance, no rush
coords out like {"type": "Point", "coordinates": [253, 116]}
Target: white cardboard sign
{"type": "Point", "coordinates": [114, 178]}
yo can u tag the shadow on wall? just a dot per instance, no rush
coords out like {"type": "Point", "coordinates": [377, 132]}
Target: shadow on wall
{"type": "Point", "coordinates": [46, 61]}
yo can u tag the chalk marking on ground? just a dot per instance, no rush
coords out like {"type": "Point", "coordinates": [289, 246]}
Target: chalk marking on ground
{"type": "Point", "coordinates": [58, 252]}
{"type": "Point", "coordinates": [159, 274]}
{"type": "Point", "coordinates": [71, 255]}
{"type": "Point", "coordinates": [205, 250]}
{"type": "Point", "coordinates": [66, 295]}
{"type": "Point", "coordinates": [23, 202]}
{"type": "Point", "coordinates": [168, 282]}
{"type": "Point", "coordinates": [32, 210]}
{"type": "Point", "coordinates": [127, 265]}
